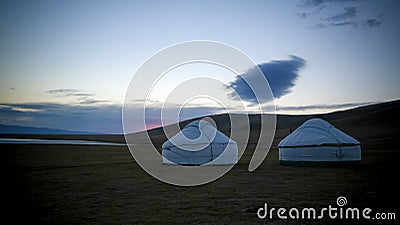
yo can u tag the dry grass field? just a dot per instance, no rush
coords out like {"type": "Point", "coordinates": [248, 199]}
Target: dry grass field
{"type": "Point", "coordinates": [72, 184]}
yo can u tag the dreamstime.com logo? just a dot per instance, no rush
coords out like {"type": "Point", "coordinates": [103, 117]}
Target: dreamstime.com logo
{"type": "Point", "coordinates": [330, 212]}
{"type": "Point", "coordinates": [152, 78]}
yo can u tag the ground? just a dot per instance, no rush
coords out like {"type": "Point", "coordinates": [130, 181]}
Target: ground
{"type": "Point", "coordinates": [72, 184]}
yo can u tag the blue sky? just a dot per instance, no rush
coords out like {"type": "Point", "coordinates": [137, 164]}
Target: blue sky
{"type": "Point", "coordinates": [67, 64]}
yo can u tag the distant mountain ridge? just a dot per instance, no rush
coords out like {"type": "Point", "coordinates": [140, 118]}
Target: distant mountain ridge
{"type": "Point", "coordinates": [10, 129]}
{"type": "Point", "coordinates": [363, 123]}
{"type": "Point", "coordinates": [370, 119]}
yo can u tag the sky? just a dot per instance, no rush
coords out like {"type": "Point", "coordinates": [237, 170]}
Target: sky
{"type": "Point", "coordinates": [68, 64]}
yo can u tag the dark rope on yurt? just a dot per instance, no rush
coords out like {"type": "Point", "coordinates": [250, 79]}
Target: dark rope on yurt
{"type": "Point", "coordinates": [338, 142]}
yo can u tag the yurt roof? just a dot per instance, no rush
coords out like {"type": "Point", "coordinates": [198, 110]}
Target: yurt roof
{"type": "Point", "coordinates": [317, 132]}
{"type": "Point", "coordinates": [197, 132]}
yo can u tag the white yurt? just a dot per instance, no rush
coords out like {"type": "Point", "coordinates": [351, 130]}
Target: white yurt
{"type": "Point", "coordinates": [318, 141]}
{"type": "Point", "coordinates": [199, 143]}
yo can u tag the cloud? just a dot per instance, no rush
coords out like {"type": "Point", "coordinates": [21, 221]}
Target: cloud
{"type": "Point", "coordinates": [88, 101]}
{"type": "Point", "coordinates": [316, 11]}
{"type": "Point", "coordinates": [18, 109]}
{"type": "Point", "coordinates": [62, 91]}
{"type": "Point", "coordinates": [349, 13]}
{"type": "Point", "coordinates": [310, 3]}
{"type": "Point", "coordinates": [346, 18]}
{"type": "Point", "coordinates": [108, 118]}
{"type": "Point", "coordinates": [323, 106]}
{"type": "Point", "coordinates": [21, 109]}
{"type": "Point", "coordinates": [68, 92]}
{"type": "Point", "coordinates": [344, 23]}
{"type": "Point", "coordinates": [92, 118]}
{"type": "Point", "coordinates": [319, 3]}
{"type": "Point", "coordinates": [81, 97]}
{"type": "Point", "coordinates": [372, 22]}
{"type": "Point", "coordinates": [281, 75]}
{"type": "Point", "coordinates": [317, 26]}
{"type": "Point", "coordinates": [153, 114]}
{"type": "Point", "coordinates": [103, 119]}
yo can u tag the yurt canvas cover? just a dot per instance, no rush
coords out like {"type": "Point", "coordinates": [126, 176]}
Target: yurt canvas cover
{"type": "Point", "coordinates": [318, 141]}
{"type": "Point", "coordinates": [199, 143]}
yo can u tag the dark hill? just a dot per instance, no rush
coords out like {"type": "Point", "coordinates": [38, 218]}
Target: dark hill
{"type": "Point", "coordinates": [365, 123]}
{"type": "Point", "coordinates": [11, 129]}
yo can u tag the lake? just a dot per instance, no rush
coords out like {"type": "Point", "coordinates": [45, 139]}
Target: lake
{"type": "Point", "coordinates": [55, 142]}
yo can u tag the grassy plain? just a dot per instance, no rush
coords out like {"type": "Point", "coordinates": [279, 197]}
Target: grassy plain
{"type": "Point", "coordinates": [72, 184]}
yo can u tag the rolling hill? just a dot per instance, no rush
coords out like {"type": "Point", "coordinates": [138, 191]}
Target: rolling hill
{"type": "Point", "coordinates": [10, 129]}
{"type": "Point", "coordinates": [366, 123]}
